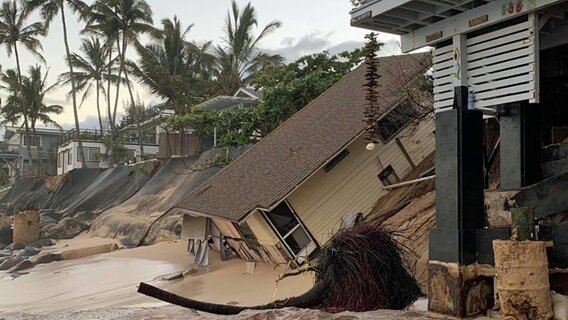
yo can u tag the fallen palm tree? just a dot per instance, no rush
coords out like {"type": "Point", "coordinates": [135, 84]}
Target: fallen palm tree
{"type": "Point", "coordinates": [359, 269]}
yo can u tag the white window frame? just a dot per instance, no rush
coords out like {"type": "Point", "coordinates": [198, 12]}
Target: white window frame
{"type": "Point", "coordinates": [306, 251]}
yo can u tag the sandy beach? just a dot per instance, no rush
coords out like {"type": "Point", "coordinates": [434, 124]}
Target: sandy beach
{"type": "Point", "coordinates": [110, 280]}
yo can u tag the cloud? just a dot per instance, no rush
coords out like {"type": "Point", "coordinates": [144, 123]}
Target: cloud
{"type": "Point", "coordinates": [90, 122]}
{"type": "Point", "coordinates": [292, 49]}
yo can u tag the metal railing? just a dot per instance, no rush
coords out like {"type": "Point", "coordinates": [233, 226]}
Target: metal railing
{"type": "Point", "coordinates": [149, 114]}
{"type": "Point", "coordinates": [358, 3]}
{"type": "Point", "coordinates": [86, 135]}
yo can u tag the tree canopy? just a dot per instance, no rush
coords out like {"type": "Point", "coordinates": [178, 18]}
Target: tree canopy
{"type": "Point", "coordinates": [286, 89]}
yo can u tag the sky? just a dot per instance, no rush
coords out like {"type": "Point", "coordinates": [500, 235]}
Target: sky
{"type": "Point", "coordinates": [307, 27]}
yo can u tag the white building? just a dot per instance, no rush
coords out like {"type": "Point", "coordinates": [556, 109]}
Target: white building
{"type": "Point", "coordinates": [17, 160]}
{"type": "Point", "coordinates": [95, 149]}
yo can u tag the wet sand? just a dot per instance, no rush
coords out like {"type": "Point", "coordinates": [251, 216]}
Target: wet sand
{"type": "Point", "coordinates": [110, 280]}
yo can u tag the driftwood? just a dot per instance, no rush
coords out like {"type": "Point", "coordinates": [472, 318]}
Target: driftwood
{"type": "Point", "coordinates": [360, 269]}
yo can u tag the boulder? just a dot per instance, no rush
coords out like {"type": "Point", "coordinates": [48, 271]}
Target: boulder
{"type": "Point", "coordinates": [6, 253]}
{"type": "Point", "coordinates": [26, 264]}
{"type": "Point", "coordinates": [46, 242]}
{"type": "Point", "coordinates": [16, 246]}
{"type": "Point", "coordinates": [45, 258]}
{"type": "Point", "coordinates": [68, 228]}
{"type": "Point", "coordinates": [29, 252]}
{"type": "Point", "coordinates": [10, 263]}
{"type": "Point", "coordinates": [6, 233]}
{"type": "Point", "coordinates": [42, 243]}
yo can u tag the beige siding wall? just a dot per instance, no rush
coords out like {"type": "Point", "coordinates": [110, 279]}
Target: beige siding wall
{"type": "Point", "coordinates": [420, 143]}
{"type": "Point", "coordinates": [352, 185]}
{"type": "Point", "coordinates": [263, 232]}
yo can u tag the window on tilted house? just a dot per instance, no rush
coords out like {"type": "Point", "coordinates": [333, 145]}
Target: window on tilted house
{"type": "Point", "coordinates": [395, 120]}
{"type": "Point", "coordinates": [388, 176]}
{"type": "Point", "coordinates": [285, 222]}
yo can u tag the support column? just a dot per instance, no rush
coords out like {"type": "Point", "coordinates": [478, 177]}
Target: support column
{"type": "Point", "coordinates": [452, 291]}
{"type": "Point", "coordinates": [520, 145]}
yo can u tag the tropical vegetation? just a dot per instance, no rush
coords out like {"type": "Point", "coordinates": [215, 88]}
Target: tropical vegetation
{"type": "Point", "coordinates": [120, 46]}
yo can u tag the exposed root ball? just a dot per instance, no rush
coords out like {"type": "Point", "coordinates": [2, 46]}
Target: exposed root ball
{"type": "Point", "coordinates": [364, 270]}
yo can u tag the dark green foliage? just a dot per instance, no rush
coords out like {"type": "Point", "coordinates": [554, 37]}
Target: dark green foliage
{"type": "Point", "coordinates": [287, 89]}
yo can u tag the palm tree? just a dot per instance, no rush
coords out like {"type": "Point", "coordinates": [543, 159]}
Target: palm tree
{"type": "Point", "coordinates": [90, 71]}
{"type": "Point", "coordinates": [13, 109]}
{"type": "Point", "coordinates": [26, 100]}
{"type": "Point", "coordinates": [124, 21]}
{"type": "Point", "coordinates": [14, 31]}
{"type": "Point", "coordinates": [174, 68]}
{"type": "Point", "coordinates": [35, 89]}
{"type": "Point", "coordinates": [240, 56]}
{"type": "Point", "coordinates": [49, 9]}
{"type": "Point", "coordinates": [101, 23]}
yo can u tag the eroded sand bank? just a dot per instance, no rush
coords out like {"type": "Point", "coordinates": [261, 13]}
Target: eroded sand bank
{"type": "Point", "coordinates": [110, 280]}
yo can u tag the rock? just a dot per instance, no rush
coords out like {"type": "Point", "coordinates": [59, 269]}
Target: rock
{"type": "Point", "coordinates": [29, 252]}
{"type": "Point", "coordinates": [6, 233]}
{"type": "Point", "coordinates": [190, 271]}
{"type": "Point", "coordinates": [2, 246]}
{"type": "Point", "coordinates": [2, 259]}
{"type": "Point", "coordinates": [42, 243]}
{"type": "Point", "coordinates": [173, 276]}
{"type": "Point", "coordinates": [67, 228]}
{"type": "Point", "coordinates": [26, 264]}
{"type": "Point", "coordinates": [45, 258]}
{"type": "Point", "coordinates": [46, 242]}
{"type": "Point", "coordinates": [11, 262]}
{"type": "Point", "coordinates": [16, 246]}
{"type": "Point", "coordinates": [6, 253]}
{"type": "Point", "coordinates": [57, 256]}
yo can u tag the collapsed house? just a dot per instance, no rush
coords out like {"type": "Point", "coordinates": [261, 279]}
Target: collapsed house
{"type": "Point", "coordinates": [284, 198]}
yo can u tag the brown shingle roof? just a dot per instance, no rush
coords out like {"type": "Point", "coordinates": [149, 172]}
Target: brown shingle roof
{"type": "Point", "coordinates": [276, 165]}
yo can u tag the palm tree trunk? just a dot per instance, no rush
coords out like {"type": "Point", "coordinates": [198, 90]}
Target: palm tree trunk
{"type": "Point", "coordinates": [120, 68]}
{"type": "Point", "coordinates": [99, 107]}
{"type": "Point", "coordinates": [109, 107]}
{"type": "Point", "coordinates": [136, 114]}
{"type": "Point", "coordinates": [80, 150]}
{"type": "Point", "coordinates": [312, 298]}
{"type": "Point", "coordinates": [24, 110]}
{"type": "Point", "coordinates": [38, 148]}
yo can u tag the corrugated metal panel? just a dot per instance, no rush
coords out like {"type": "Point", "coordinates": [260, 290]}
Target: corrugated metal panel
{"type": "Point", "coordinates": [177, 144]}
